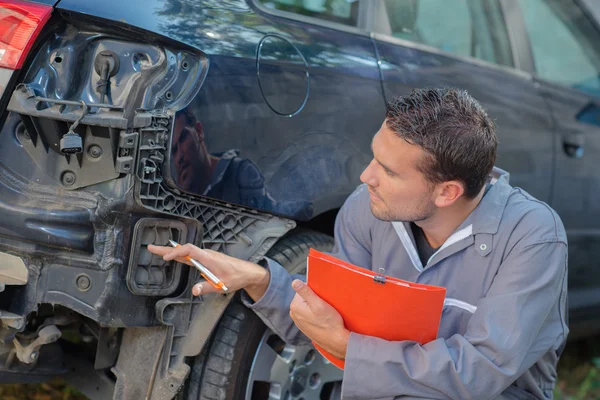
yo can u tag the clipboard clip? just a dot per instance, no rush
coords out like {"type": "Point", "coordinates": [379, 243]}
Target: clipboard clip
{"type": "Point", "coordinates": [380, 277]}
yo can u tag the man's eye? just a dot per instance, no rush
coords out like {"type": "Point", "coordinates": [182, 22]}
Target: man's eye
{"type": "Point", "coordinates": [389, 173]}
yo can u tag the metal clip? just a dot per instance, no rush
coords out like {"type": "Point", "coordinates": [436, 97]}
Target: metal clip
{"type": "Point", "coordinates": [380, 277]}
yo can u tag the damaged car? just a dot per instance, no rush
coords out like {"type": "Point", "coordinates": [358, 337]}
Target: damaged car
{"type": "Point", "coordinates": [241, 126]}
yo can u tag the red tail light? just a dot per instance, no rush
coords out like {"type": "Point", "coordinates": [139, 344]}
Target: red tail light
{"type": "Point", "coordinates": [20, 24]}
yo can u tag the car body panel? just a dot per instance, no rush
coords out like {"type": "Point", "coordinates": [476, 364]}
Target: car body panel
{"type": "Point", "coordinates": [245, 149]}
{"type": "Point", "coordinates": [575, 183]}
{"type": "Point", "coordinates": [46, 2]}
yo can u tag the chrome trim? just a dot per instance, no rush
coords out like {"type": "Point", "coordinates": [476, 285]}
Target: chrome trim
{"type": "Point", "coordinates": [434, 50]}
{"type": "Point", "coordinates": [311, 20]}
{"type": "Point", "coordinates": [518, 36]}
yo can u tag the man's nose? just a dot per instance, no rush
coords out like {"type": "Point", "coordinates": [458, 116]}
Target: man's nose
{"type": "Point", "coordinates": [368, 175]}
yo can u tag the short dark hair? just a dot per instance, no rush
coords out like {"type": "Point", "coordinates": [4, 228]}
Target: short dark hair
{"type": "Point", "coordinates": [453, 129]}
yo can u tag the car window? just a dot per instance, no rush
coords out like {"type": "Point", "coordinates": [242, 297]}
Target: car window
{"type": "Point", "coordinates": [565, 44]}
{"type": "Point", "coordinates": [340, 11]}
{"type": "Point", "coordinates": [463, 27]}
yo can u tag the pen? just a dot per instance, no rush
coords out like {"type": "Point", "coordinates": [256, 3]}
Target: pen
{"type": "Point", "coordinates": [209, 276]}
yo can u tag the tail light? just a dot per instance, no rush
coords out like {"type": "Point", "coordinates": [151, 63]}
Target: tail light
{"type": "Point", "coordinates": [20, 24]}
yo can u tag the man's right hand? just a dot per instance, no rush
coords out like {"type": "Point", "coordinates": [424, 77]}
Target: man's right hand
{"type": "Point", "coordinates": [234, 273]}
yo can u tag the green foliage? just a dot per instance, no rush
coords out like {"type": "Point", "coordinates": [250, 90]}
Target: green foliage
{"type": "Point", "coordinates": [56, 389]}
{"type": "Point", "coordinates": [579, 371]}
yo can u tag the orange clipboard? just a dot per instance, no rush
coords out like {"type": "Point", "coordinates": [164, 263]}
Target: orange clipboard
{"type": "Point", "coordinates": [374, 304]}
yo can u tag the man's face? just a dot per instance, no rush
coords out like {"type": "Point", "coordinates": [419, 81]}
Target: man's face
{"type": "Point", "coordinates": [188, 158]}
{"type": "Point", "coordinates": [399, 192]}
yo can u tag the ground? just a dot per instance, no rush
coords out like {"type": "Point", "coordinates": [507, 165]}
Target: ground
{"type": "Point", "coordinates": [578, 373]}
{"type": "Point", "coordinates": [55, 390]}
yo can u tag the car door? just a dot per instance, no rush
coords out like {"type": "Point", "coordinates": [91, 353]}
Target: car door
{"type": "Point", "coordinates": [285, 115]}
{"type": "Point", "coordinates": [467, 44]}
{"type": "Point", "coordinates": [565, 44]}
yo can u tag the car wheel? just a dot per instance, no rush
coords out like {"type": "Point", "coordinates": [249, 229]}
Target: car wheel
{"type": "Point", "coordinates": [246, 360]}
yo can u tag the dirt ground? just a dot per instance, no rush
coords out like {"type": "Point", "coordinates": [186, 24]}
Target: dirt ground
{"type": "Point", "coordinates": [578, 373]}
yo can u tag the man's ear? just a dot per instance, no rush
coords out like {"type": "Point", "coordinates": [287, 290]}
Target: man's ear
{"type": "Point", "coordinates": [200, 131]}
{"type": "Point", "coordinates": [448, 192]}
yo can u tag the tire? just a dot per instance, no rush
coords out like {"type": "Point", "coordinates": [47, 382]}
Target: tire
{"type": "Point", "coordinates": [242, 346]}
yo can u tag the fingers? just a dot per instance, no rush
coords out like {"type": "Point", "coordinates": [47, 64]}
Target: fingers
{"type": "Point", "coordinates": [222, 266]}
{"type": "Point", "coordinates": [207, 257]}
{"type": "Point", "coordinates": [186, 250]}
{"type": "Point", "coordinates": [299, 306]}
{"type": "Point", "coordinates": [305, 292]}
{"type": "Point", "coordinates": [310, 299]}
{"type": "Point", "coordinates": [180, 253]}
{"type": "Point", "coordinates": [164, 251]}
{"type": "Point", "coordinates": [159, 250]}
{"type": "Point", "coordinates": [202, 288]}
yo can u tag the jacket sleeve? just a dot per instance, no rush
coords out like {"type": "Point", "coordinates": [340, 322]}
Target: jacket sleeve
{"type": "Point", "coordinates": [520, 319]}
{"type": "Point", "coordinates": [351, 244]}
{"type": "Point", "coordinates": [274, 307]}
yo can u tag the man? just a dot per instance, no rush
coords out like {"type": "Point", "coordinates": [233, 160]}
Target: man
{"type": "Point", "coordinates": [429, 213]}
{"type": "Point", "coordinates": [225, 176]}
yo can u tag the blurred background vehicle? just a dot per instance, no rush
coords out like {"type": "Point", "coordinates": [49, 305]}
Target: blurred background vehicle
{"type": "Point", "coordinates": [242, 126]}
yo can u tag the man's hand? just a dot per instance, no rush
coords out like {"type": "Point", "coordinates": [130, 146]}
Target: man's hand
{"type": "Point", "coordinates": [318, 320]}
{"type": "Point", "coordinates": [234, 273]}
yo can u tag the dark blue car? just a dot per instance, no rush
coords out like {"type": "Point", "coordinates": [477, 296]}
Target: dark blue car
{"type": "Point", "coordinates": [242, 126]}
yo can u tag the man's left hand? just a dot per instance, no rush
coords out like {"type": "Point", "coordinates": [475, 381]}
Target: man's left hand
{"type": "Point", "coordinates": [318, 320]}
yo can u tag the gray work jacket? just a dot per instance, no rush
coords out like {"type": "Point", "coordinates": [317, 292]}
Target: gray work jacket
{"type": "Point", "coordinates": [504, 320]}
